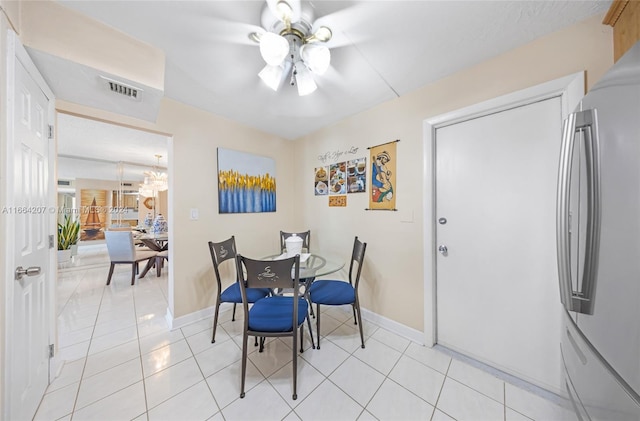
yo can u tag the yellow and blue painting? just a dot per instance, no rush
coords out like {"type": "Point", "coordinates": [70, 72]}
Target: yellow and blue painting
{"type": "Point", "coordinates": [246, 182]}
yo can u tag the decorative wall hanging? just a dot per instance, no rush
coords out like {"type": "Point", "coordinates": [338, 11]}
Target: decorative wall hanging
{"type": "Point", "coordinates": [321, 183]}
{"type": "Point", "coordinates": [357, 175]}
{"type": "Point", "coordinates": [383, 177]}
{"type": "Point", "coordinates": [246, 182]}
{"type": "Point", "coordinates": [337, 201]}
{"type": "Point", "coordinates": [338, 178]}
{"type": "Point", "coordinates": [93, 206]}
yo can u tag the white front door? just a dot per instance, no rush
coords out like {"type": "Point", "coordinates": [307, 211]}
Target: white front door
{"type": "Point", "coordinates": [28, 213]}
{"type": "Point", "coordinates": [497, 289]}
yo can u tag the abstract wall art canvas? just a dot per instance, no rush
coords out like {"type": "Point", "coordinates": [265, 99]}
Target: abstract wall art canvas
{"type": "Point", "coordinates": [246, 182]}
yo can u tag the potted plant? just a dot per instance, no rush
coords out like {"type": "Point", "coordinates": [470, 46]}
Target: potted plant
{"type": "Point", "coordinates": [67, 237]}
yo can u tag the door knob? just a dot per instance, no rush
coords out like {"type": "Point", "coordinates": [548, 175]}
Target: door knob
{"type": "Point", "coordinates": [32, 271]}
{"type": "Point", "coordinates": [443, 249]}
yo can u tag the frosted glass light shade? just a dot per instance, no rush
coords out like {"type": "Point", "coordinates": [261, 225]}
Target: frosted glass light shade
{"type": "Point", "coordinates": [304, 80]}
{"type": "Point", "coordinates": [272, 76]}
{"type": "Point", "coordinates": [273, 48]}
{"type": "Point", "coordinates": [316, 57]}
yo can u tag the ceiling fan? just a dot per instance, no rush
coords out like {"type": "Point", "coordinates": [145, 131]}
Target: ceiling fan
{"type": "Point", "coordinates": [292, 47]}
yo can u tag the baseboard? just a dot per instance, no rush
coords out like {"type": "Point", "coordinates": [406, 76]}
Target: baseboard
{"type": "Point", "coordinates": [187, 319]}
{"type": "Point", "coordinates": [392, 326]}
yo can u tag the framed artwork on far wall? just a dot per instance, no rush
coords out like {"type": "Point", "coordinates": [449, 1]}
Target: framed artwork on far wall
{"type": "Point", "coordinates": [246, 182]}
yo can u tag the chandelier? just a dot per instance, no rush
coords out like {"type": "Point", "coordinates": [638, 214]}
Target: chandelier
{"type": "Point", "coordinates": [290, 47]}
{"type": "Point", "coordinates": [154, 181]}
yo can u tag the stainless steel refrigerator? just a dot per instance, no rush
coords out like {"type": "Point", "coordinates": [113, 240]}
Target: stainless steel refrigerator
{"type": "Point", "coordinates": [598, 239]}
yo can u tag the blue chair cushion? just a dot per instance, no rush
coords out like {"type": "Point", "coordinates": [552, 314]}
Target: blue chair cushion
{"type": "Point", "coordinates": [332, 293]}
{"type": "Point", "coordinates": [275, 314]}
{"type": "Point", "coordinates": [232, 294]}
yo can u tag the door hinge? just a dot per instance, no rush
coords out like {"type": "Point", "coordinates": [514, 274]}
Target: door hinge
{"type": "Point", "coordinates": [50, 131]}
{"type": "Point", "coordinates": [51, 241]}
{"type": "Point", "coordinates": [51, 351]}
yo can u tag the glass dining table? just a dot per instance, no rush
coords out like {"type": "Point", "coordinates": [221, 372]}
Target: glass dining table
{"type": "Point", "coordinates": [156, 242]}
{"type": "Point", "coordinates": [313, 265]}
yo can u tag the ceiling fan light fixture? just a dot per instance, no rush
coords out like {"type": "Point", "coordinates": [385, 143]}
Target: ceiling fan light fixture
{"type": "Point", "coordinates": [272, 76]}
{"type": "Point", "coordinates": [304, 80]}
{"type": "Point", "coordinates": [285, 12]}
{"type": "Point", "coordinates": [323, 34]}
{"type": "Point", "coordinates": [316, 57]}
{"type": "Point", "coordinates": [273, 48]}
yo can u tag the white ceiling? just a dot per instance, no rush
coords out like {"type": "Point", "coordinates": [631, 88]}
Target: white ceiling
{"type": "Point", "coordinates": [92, 149]}
{"type": "Point", "coordinates": [380, 50]}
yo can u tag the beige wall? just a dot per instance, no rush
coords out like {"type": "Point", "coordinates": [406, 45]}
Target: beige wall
{"type": "Point", "coordinates": [50, 27]}
{"type": "Point", "coordinates": [393, 275]}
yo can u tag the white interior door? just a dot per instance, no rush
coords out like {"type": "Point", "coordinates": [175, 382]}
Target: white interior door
{"type": "Point", "coordinates": [497, 290]}
{"type": "Point", "coordinates": [29, 214]}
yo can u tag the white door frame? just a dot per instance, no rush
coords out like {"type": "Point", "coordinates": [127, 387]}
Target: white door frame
{"type": "Point", "coordinates": [16, 53]}
{"type": "Point", "coordinates": [570, 89]}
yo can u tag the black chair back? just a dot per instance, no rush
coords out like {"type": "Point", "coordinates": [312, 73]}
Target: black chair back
{"type": "Point", "coordinates": [357, 256]}
{"type": "Point", "coordinates": [221, 252]}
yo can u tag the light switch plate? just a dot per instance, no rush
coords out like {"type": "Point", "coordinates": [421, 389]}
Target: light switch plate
{"type": "Point", "coordinates": [194, 214]}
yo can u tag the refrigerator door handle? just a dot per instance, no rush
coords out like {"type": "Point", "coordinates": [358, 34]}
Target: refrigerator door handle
{"type": "Point", "coordinates": [581, 300]}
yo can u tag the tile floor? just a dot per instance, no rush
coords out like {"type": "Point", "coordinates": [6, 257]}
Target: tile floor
{"type": "Point", "coordinates": [123, 363]}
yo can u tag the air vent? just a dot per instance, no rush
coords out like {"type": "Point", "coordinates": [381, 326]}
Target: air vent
{"type": "Point", "coordinates": [127, 184]}
{"type": "Point", "coordinates": [123, 89]}
{"type": "Point", "coordinates": [64, 182]}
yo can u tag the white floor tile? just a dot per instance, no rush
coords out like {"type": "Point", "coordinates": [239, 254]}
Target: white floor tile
{"type": "Point", "coordinates": [110, 358]}
{"type": "Point", "coordinates": [534, 406]}
{"type": "Point", "coordinates": [512, 415]}
{"type": "Point", "coordinates": [463, 403]}
{"type": "Point", "coordinates": [328, 402]}
{"type": "Point", "coordinates": [108, 382]}
{"type": "Point", "coordinates": [438, 415]}
{"type": "Point", "coordinates": [70, 373]}
{"type": "Point", "coordinates": [260, 403]}
{"type": "Point", "coordinates": [171, 381]}
{"type": "Point", "coordinates": [308, 379]}
{"type": "Point", "coordinates": [327, 324]}
{"type": "Point", "coordinates": [327, 359]}
{"type": "Point", "coordinates": [159, 340]}
{"type": "Point", "coordinates": [477, 379]}
{"type": "Point", "coordinates": [225, 384]}
{"type": "Point", "coordinates": [393, 402]}
{"type": "Point", "coordinates": [346, 337]}
{"type": "Point", "coordinates": [164, 357]}
{"type": "Point", "coordinates": [357, 379]}
{"type": "Point", "coordinates": [378, 355]}
{"type": "Point", "coordinates": [114, 339]}
{"type": "Point", "coordinates": [74, 352]}
{"type": "Point", "coordinates": [199, 326]}
{"type": "Point", "coordinates": [58, 403]}
{"type": "Point", "coordinates": [418, 378]}
{"type": "Point", "coordinates": [275, 356]}
{"type": "Point", "coordinates": [194, 404]}
{"type": "Point", "coordinates": [366, 416]}
{"type": "Point", "coordinates": [391, 339]}
{"type": "Point", "coordinates": [202, 341]}
{"type": "Point", "coordinates": [220, 356]}
{"type": "Point", "coordinates": [125, 404]}
{"type": "Point", "coordinates": [429, 357]}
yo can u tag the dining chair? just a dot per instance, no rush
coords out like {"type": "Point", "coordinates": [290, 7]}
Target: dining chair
{"type": "Point", "coordinates": [339, 292]}
{"type": "Point", "coordinates": [306, 239]}
{"type": "Point", "coordinates": [221, 252]}
{"type": "Point", "coordinates": [274, 316]}
{"type": "Point", "coordinates": [123, 251]}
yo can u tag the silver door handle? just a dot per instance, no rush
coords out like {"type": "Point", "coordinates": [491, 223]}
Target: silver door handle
{"type": "Point", "coordinates": [31, 271]}
{"type": "Point", "coordinates": [443, 249]}
{"type": "Point", "coordinates": [581, 301]}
